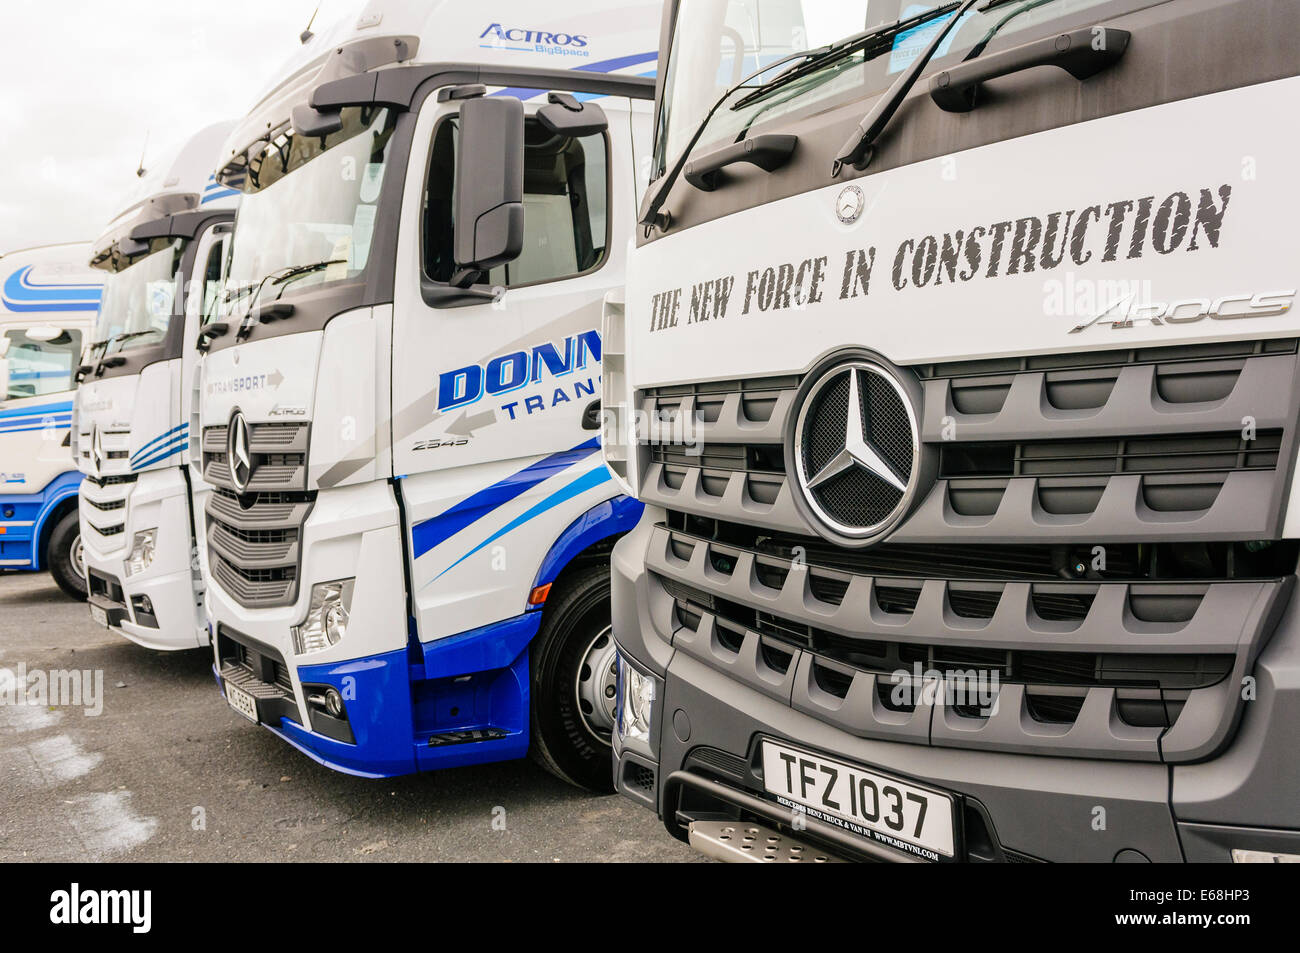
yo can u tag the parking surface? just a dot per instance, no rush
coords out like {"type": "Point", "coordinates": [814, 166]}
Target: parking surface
{"type": "Point", "coordinates": [168, 772]}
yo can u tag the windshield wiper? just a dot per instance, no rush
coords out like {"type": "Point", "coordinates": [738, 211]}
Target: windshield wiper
{"type": "Point", "coordinates": [978, 48]}
{"type": "Point", "coordinates": [278, 277]}
{"type": "Point", "coordinates": [805, 61]}
{"type": "Point", "coordinates": [298, 271]}
{"type": "Point", "coordinates": [649, 215]}
{"type": "Point", "coordinates": [857, 148]}
{"type": "Point", "coordinates": [842, 49]}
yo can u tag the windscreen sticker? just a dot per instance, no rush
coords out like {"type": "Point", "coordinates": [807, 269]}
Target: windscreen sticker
{"type": "Point", "coordinates": [909, 43]}
{"type": "Point", "coordinates": [363, 227]}
{"type": "Point", "coordinates": [372, 177]}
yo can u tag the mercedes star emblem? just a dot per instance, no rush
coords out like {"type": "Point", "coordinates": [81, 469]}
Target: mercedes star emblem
{"type": "Point", "coordinates": [856, 450]}
{"type": "Point", "coordinates": [238, 457]}
{"type": "Point", "coordinates": [849, 204]}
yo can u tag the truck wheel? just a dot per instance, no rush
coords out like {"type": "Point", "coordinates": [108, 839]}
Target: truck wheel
{"type": "Point", "coordinates": [573, 684]}
{"type": "Point", "coordinates": [64, 556]}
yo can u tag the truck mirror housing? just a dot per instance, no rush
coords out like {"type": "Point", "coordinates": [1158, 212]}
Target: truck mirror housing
{"type": "Point", "coordinates": [565, 116]}
{"type": "Point", "coordinates": [310, 122]}
{"type": "Point", "coordinates": [43, 332]}
{"type": "Point", "coordinates": [489, 202]}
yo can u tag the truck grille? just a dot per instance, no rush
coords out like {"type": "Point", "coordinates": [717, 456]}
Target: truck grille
{"type": "Point", "coordinates": [1095, 538]}
{"type": "Point", "coordinates": [105, 499]}
{"type": "Point", "coordinates": [1159, 443]}
{"type": "Point", "coordinates": [254, 539]}
{"type": "Point", "coordinates": [279, 456]}
{"type": "Point", "coordinates": [253, 544]}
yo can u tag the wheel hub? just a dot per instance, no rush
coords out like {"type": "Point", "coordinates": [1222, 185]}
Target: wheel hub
{"type": "Point", "coordinates": [77, 556]}
{"type": "Point", "coordinates": [596, 685]}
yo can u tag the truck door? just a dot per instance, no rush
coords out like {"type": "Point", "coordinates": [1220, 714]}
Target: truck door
{"type": "Point", "coordinates": [484, 390]}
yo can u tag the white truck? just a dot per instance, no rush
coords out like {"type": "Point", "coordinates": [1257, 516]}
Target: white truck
{"type": "Point", "coordinates": [48, 299]}
{"type": "Point", "coordinates": [160, 260]}
{"type": "Point", "coordinates": [409, 534]}
{"type": "Point", "coordinates": [962, 341]}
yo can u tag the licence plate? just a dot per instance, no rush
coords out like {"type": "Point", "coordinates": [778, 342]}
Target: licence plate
{"type": "Point", "coordinates": [868, 803]}
{"type": "Point", "coordinates": [241, 701]}
{"type": "Point", "coordinates": [98, 616]}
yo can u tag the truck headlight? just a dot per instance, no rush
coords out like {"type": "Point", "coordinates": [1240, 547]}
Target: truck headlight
{"type": "Point", "coordinates": [143, 546]}
{"type": "Point", "coordinates": [327, 616]}
{"type": "Point", "coordinates": [636, 699]}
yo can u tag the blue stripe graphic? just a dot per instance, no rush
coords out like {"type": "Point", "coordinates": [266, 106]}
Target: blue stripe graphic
{"type": "Point", "coordinates": [59, 408]}
{"type": "Point", "coordinates": [582, 484]}
{"type": "Point", "coordinates": [54, 425]}
{"type": "Point", "coordinates": [21, 294]}
{"type": "Point", "coordinates": [428, 534]}
{"type": "Point", "coordinates": [158, 439]}
{"type": "Point", "coordinates": [602, 66]}
{"type": "Point", "coordinates": [176, 446]}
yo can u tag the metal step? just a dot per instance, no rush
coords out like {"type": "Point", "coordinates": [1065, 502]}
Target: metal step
{"type": "Point", "coordinates": [738, 842]}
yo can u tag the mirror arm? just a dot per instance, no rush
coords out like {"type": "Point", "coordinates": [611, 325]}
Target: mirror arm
{"type": "Point", "coordinates": [438, 294]}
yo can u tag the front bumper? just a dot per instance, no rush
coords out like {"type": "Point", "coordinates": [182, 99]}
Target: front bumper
{"type": "Point", "coordinates": [700, 762]}
{"type": "Point", "coordinates": [158, 608]}
{"type": "Point", "coordinates": [351, 532]}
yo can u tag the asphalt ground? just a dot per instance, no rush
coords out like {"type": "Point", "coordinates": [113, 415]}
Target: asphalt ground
{"type": "Point", "coordinates": [166, 771]}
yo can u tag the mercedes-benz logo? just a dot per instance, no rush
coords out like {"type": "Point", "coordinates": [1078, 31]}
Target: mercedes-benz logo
{"type": "Point", "coordinates": [238, 457]}
{"type": "Point", "coordinates": [856, 450]}
{"type": "Point", "coordinates": [96, 447]}
{"type": "Point", "coordinates": [849, 204]}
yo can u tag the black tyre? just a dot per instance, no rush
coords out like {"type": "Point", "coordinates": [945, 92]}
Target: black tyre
{"type": "Point", "coordinates": [63, 556]}
{"type": "Point", "coordinates": [573, 683]}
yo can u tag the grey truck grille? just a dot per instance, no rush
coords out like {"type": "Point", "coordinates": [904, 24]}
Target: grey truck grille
{"type": "Point", "coordinates": [255, 539]}
{"type": "Point", "coordinates": [1169, 464]}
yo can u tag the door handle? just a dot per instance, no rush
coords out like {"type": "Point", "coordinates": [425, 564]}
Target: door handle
{"type": "Point", "coordinates": [1081, 53]}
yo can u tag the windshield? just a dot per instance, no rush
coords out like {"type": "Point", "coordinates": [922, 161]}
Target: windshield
{"type": "Point", "coordinates": [136, 308]}
{"type": "Point", "coordinates": [308, 201]}
{"type": "Point", "coordinates": [717, 43]}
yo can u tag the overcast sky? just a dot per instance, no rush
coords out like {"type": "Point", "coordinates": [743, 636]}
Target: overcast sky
{"type": "Point", "coordinates": [82, 81]}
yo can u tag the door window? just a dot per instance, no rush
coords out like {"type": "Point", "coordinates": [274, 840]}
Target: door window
{"type": "Point", "coordinates": [566, 208]}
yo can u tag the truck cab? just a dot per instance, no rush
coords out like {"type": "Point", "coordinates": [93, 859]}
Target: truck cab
{"type": "Point", "coordinates": [160, 259]}
{"type": "Point", "coordinates": [957, 369]}
{"type": "Point", "coordinates": [47, 306]}
{"type": "Point", "coordinates": [409, 534]}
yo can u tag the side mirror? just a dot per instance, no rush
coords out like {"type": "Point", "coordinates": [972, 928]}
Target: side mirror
{"type": "Point", "coordinates": [565, 116]}
{"type": "Point", "coordinates": [4, 379]}
{"type": "Point", "coordinates": [489, 203]}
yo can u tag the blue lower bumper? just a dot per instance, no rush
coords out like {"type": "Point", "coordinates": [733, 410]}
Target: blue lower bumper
{"type": "Point", "coordinates": [457, 701]}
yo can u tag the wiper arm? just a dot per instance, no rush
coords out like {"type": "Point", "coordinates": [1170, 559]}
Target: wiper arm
{"type": "Point", "coordinates": [805, 61]}
{"type": "Point", "coordinates": [858, 147]}
{"type": "Point", "coordinates": [978, 48]}
{"type": "Point", "coordinates": [842, 49]}
{"type": "Point", "coordinates": [654, 200]}
{"type": "Point", "coordinates": [279, 277]}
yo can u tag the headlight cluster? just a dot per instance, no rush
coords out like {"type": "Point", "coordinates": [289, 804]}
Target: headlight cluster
{"type": "Point", "coordinates": [636, 698]}
{"type": "Point", "coordinates": [143, 546]}
{"type": "Point", "coordinates": [327, 616]}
